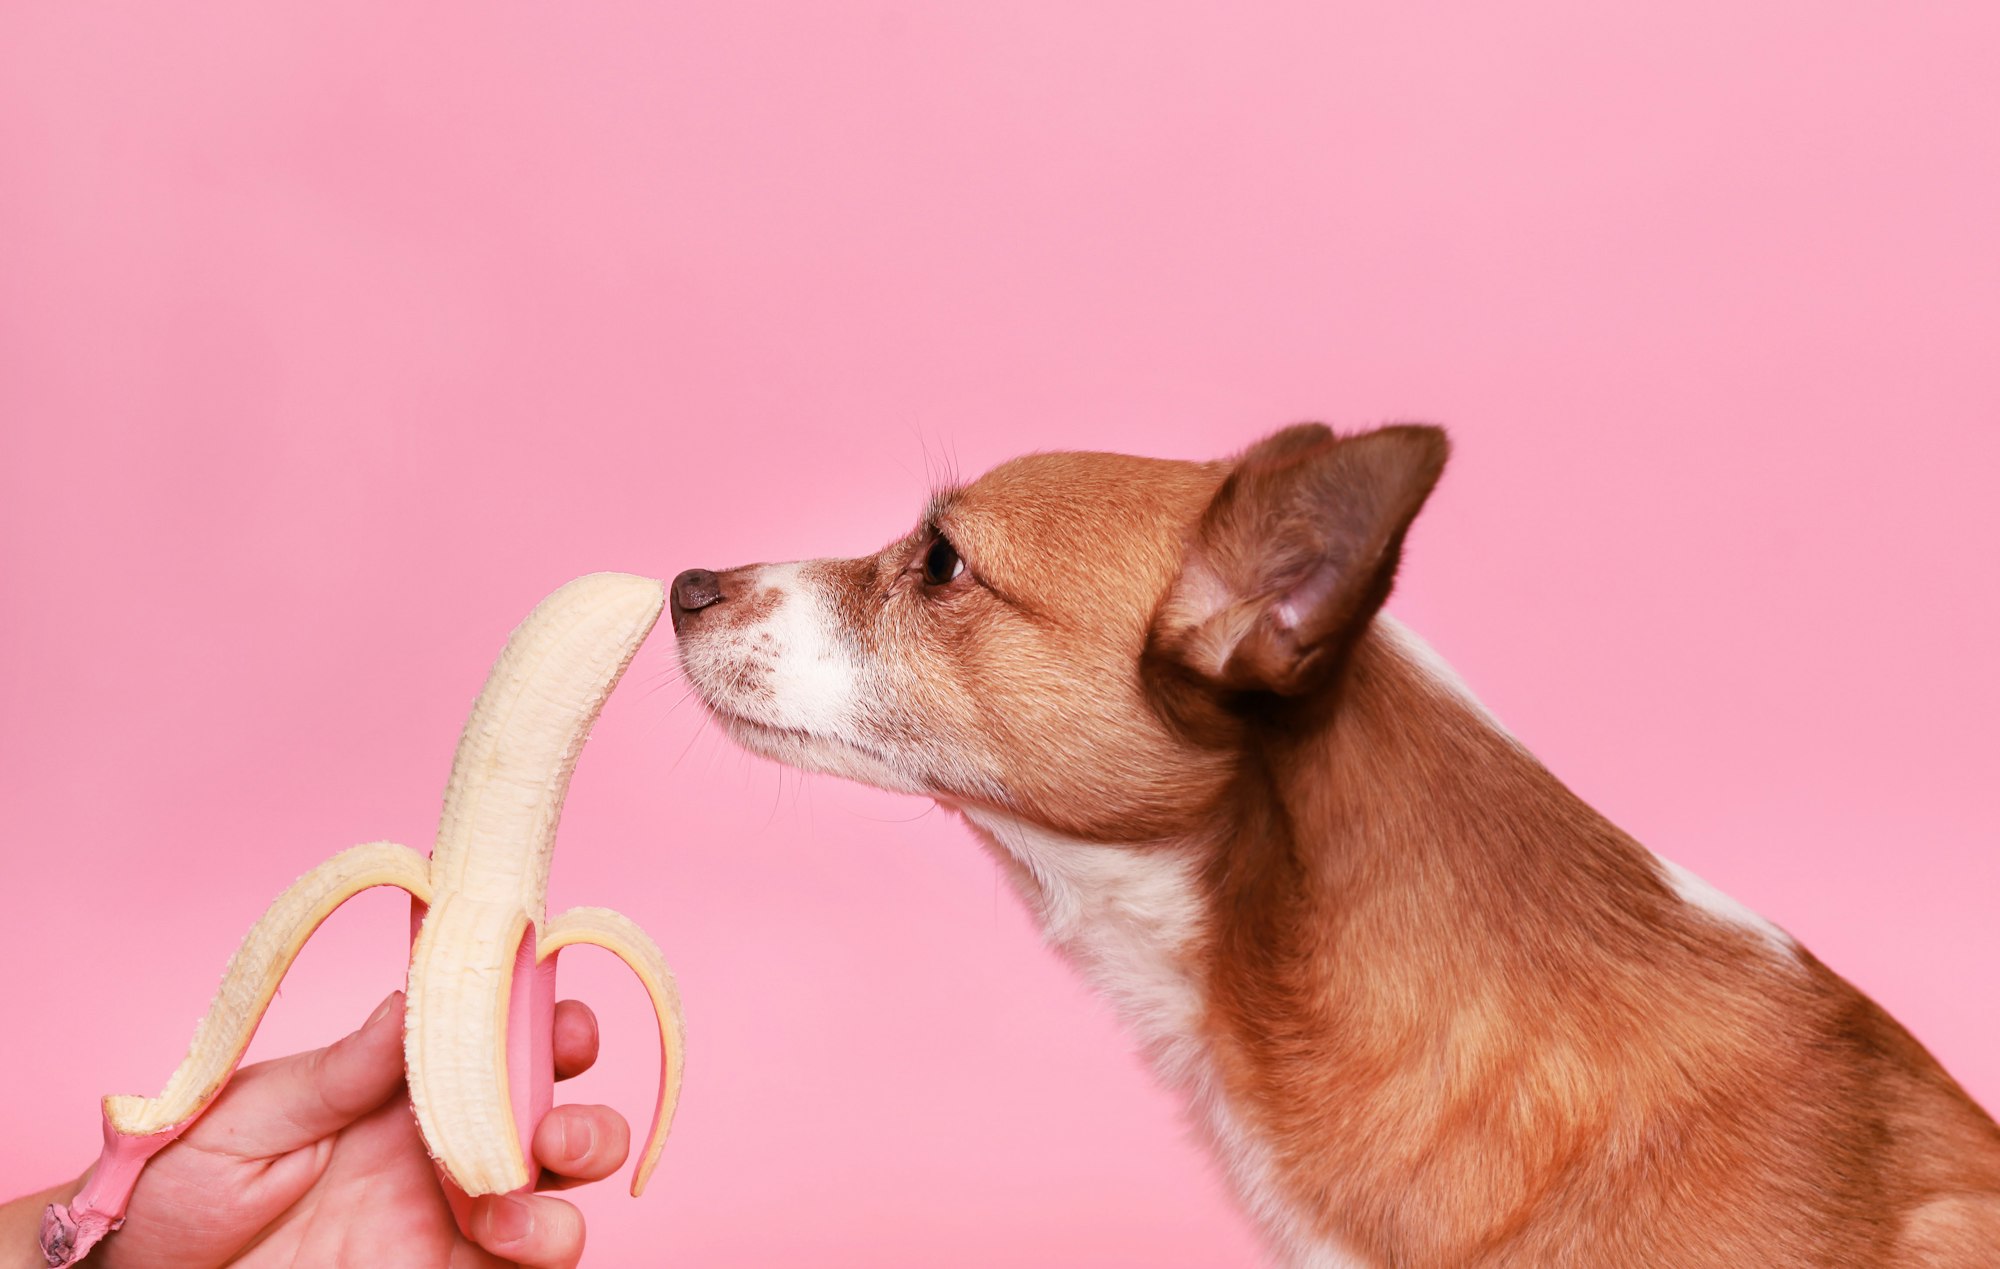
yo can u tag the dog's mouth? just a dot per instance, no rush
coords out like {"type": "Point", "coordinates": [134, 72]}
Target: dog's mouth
{"type": "Point", "coordinates": [741, 725]}
{"type": "Point", "coordinates": [811, 750]}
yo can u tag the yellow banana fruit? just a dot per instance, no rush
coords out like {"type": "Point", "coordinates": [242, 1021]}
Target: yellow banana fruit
{"type": "Point", "coordinates": [478, 1033]}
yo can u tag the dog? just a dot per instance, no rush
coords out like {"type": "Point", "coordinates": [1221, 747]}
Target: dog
{"type": "Point", "coordinates": [1426, 1006]}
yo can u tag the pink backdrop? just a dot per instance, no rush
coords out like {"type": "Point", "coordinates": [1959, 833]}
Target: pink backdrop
{"type": "Point", "coordinates": [333, 336]}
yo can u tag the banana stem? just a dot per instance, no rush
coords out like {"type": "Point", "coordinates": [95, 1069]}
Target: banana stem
{"type": "Point", "coordinates": [70, 1230]}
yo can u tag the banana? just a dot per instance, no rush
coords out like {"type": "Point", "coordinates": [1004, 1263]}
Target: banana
{"type": "Point", "coordinates": [480, 1008]}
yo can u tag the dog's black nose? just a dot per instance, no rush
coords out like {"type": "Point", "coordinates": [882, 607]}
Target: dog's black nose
{"type": "Point", "coordinates": [693, 590]}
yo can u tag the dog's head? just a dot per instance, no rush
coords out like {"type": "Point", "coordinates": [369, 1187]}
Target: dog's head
{"type": "Point", "coordinates": [1080, 640]}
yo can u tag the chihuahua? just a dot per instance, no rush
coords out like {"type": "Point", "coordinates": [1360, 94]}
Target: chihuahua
{"type": "Point", "coordinates": [1426, 1007]}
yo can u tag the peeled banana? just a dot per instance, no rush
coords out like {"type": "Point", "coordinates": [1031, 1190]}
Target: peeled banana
{"type": "Point", "coordinates": [478, 1032]}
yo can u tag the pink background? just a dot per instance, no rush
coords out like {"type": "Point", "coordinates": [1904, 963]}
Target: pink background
{"type": "Point", "coordinates": [333, 336]}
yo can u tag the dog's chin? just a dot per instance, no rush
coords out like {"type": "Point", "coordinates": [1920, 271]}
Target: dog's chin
{"type": "Point", "coordinates": [813, 751]}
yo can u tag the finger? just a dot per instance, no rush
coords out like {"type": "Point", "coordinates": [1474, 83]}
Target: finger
{"type": "Point", "coordinates": [534, 1232]}
{"type": "Point", "coordinates": [277, 1106]}
{"type": "Point", "coordinates": [577, 1144]}
{"type": "Point", "coordinates": [576, 1038]}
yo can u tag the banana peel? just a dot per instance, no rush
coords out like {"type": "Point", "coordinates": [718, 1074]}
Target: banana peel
{"type": "Point", "coordinates": [479, 1026]}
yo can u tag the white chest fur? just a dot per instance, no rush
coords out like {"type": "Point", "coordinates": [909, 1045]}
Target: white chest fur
{"type": "Point", "coordinates": [1130, 919]}
{"type": "Point", "coordinates": [1127, 918]}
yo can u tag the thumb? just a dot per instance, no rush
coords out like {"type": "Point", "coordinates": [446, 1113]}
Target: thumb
{"type": "Point", "coordinates": [276, 1107]}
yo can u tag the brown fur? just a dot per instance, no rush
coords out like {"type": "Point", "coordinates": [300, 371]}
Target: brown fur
{"type": "Point", "coordinates": [1487, 1034]}
{"type": "Point", "coordinates": [1468, 1014]}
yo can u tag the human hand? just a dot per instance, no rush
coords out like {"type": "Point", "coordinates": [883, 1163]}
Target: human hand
{"type": "Point", "coordinates": [316, 1159]}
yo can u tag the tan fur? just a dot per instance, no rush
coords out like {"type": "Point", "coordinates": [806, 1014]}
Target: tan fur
{"type": "Point", "coordinates": [1465, 1015]}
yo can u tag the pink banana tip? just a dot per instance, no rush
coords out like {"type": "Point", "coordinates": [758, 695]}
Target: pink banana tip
{"type": "Point", "coordinates": [70, 1230]}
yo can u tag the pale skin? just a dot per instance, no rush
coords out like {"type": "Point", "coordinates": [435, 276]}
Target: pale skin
{"type": "Point", "coordinates": [315, 1159]}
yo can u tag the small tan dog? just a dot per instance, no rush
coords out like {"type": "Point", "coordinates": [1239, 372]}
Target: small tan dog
{"type": "Point", "coordinates": [1427, 1006]}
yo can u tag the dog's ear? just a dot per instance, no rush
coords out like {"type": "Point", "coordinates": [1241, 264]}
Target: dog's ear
{"type": "Point", "coordinates": [1292, 557]}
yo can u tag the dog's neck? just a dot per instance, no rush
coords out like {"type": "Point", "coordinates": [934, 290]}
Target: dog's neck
{"type": "Point", "coordinates": [1376, 942]}
{"type": "Point", "coordinates": [1399, 824]}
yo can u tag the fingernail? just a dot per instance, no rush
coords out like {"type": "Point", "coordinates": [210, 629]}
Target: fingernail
{"type": "Point", "coordinates": [381, 1011]}
{"type": "Point", "coordinates": [508, 1220]}
{"type": "Point", "coordinates": [578, 1135]}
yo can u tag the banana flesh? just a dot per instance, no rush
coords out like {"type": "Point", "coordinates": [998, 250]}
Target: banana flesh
{"type": "Point", "coordinates": [478, 1044]}
{"type": "Point", "coordinates": [490, 867]}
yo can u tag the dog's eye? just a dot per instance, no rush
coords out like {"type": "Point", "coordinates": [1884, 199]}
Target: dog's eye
{"type": "Point", "coordinates": [941, 562]}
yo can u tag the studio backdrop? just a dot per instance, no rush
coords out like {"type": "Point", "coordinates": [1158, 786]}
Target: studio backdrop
{"type": "Point", "coordinates": [333, 336]}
